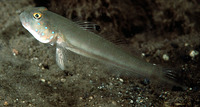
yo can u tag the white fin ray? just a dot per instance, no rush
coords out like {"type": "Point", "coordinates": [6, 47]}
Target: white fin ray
{"type": "Point", "coordinates": [88, 26]}
{"type": "Point", "coordinates": [60, 57]}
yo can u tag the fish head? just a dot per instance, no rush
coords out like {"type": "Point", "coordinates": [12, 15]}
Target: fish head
{"type": "Point", "coordinates": [35, 20]}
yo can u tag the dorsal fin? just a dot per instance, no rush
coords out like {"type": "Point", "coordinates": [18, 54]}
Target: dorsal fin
{"type": "Point", "coordinates": [89, 26]}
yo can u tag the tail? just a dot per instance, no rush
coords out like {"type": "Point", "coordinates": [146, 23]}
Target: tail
{"type": "Point", "coordinates": [175, 77]}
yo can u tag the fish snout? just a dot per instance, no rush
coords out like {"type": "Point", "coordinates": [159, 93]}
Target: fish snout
{"type": "Point", "coordinates": [23, 19]}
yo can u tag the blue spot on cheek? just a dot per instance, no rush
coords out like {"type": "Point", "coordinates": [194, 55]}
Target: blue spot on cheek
{"type": "Point", "coordinates": [38, 23]}
{"type": "Point", "coordinates": [45, 27]}
{"type": "Point", "coordinates": [53, 32]}
{"type": "Point", "coordinates": [51, 37]}
{"type": "Point", "coordinates": [42, 34]}
{"type": "Point", "coordinates": [36, 30]}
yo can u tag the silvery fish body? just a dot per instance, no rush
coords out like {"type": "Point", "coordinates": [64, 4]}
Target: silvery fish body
{"type": "Point", "coordinates": [48, 27]}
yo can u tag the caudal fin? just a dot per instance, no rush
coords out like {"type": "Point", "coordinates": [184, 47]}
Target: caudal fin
{"type": "Point", "coordinates": [174, 77]}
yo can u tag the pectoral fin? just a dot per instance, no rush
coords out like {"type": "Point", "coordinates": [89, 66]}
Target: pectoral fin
{"type": "Point", "coordinates": [60, 57]}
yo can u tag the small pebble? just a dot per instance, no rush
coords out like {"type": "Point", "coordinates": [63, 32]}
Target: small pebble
{"type": "Point", "coordinates": [143, 54]}
{"type": "Point", "coordinates": [114, 102]}
{"type": "Point", "coordinates": [90, 97]}
{"type": "Point", "coordinates": [43, 80]}
{"type": "Point", "coordinates": [165, 57]}
{"type": "Point", "coordinates": [5, 103]}
{"type": "Point", "coordinates": [81, 98]}
{"type": "Point", "coordinates": [63, 80]}
{"type": "Point", "coordinates": [193, 53]}
{"type": "Point", "coordinates": [186, 44]}
{"type": "Point", "coordinates": [121, 80]}
{"type": "Point", "coordinates": [15, 52]}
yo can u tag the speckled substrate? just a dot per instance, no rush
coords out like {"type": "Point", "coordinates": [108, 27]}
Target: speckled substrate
{"type": "Point", "coordinates": [167, 33]}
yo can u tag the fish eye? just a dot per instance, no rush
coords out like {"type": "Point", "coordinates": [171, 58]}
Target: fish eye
{"type": "Point", "coordinates": [37, 15]}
